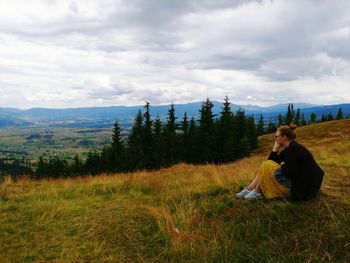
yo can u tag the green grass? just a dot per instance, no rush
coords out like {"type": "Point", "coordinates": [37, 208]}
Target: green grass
{"type": "Point", "coordinates": [181, 214]}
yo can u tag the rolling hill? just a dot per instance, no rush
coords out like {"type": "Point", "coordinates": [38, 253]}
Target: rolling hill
{"type": "Point", "coordinates": [185, 213]}
{"type": "Point", "coordinates": [102, 117]}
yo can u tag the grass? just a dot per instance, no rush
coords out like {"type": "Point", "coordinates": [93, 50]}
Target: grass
{"type": "Point", "coordinates": [185, 213]}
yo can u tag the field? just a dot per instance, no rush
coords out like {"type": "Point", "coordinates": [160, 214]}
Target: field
{"type": "Point", "coordinates": [185, 213]}
{"type": "Point", "coordinates": [32, 142]}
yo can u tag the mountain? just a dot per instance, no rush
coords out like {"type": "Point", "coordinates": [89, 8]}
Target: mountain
{"type": "Point", "coordinates": [97, 117]}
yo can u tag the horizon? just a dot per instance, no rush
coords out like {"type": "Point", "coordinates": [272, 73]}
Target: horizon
{"type": "Point", "coordinates": [71, 54]}
{"type": "Point", "coordinates": [168, 104]}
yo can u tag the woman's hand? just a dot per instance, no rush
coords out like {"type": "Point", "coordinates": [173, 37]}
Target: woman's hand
{"type": "Point", "coordinates": [276, 147]}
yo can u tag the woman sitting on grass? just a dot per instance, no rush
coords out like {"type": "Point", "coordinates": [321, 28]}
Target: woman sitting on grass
{"type": "Point", "coordinates": [293, 171]}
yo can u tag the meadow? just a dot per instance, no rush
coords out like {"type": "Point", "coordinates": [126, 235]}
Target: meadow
{"type": "Point", "coordinates": [186, 213]}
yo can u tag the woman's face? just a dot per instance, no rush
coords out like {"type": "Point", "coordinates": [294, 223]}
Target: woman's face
{"type": "Point", "coordinates": [281, 140]}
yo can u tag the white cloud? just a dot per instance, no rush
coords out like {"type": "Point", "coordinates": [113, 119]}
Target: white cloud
{"type": "Point", "coordinates": [116, 52]}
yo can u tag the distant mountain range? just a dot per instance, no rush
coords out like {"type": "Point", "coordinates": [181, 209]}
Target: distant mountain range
{"type": "Point", "coordinates": [99, 117]}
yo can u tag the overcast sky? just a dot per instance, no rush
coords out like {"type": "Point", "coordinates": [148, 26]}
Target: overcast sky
{"type": "Point", "coordinates": [68, 53]}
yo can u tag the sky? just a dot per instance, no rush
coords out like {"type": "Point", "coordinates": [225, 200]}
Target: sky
{"type": "Point", "coordinates": [93, 53]}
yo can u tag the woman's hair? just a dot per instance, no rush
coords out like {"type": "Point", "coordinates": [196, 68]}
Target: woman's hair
{"type": "Point", "coordinates": [288, 131]}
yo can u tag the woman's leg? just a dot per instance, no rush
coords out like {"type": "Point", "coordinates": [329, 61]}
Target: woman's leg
{"type": "Point", "coordinates": [262, 179]}
{"type": "Point", "coordinates": [255, 184]}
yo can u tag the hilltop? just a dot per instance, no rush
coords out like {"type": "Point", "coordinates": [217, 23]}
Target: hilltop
{"type": "Point", "coordinates": [185, 213]}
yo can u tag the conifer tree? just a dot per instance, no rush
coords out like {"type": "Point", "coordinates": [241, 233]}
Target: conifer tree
{"type": "Point", "coordinates": [340, 114]}
{"type": "Point", "coordinates": [297, 116]}
{"type": "Point", "coordinates": [93, 163]}
{"type": "Point", "coordinates": [313, 118]}
{"type": "Point", "coordinates": [302, 120]}
{"type": "Point", "coordinates": [290, 114]}
{"type": "Point", "coordinates": [58, 168]}
{"type": "Point", "coordinates": [252, 133]}
{"type": "Point", "coordinates": [260, 130]}
{"type": "Point", "coordinates": [206, 138]}
{"type": "Point", "coordinates": [323, 118]}
{"type": "Point", "coordinates": [241, 144]}
{"type": "Point", "coordinates": [330, 117]}
{"type": "Point", "coordinates": [108, 160]}
{"type": "Point", "coordinates": [280, 120]}
{"type": "Point", "coordinates": [116, 156]}
{"type": "Point", "coordinates": [292, 110]}
{"type": "Point", "coordinates": [271, 127]}
{"type": "Point", "coordinates": [135, 150]}
{"type": "Point", "coordinates": [184, 145]}
{"type": "Point", "coordinates": [148, 140]}
{"type": "Point", "coordinates": [77, 166]}
{"type": "Point", "coordinates": [158, 143]}
{"type": "Point", "coordinates": [170, 138]}
{"type": "Point", "coordinates": [225, 138]}
{"type": "Point", "coordinates": [192, 156]}
{"type": "Point", "coordinates": [42, 168]}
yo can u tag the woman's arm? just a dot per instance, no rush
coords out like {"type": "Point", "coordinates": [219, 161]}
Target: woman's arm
{"type": "Point", "coordinates": [274, 156]}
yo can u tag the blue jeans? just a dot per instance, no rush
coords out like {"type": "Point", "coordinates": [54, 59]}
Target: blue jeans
{"type": "Point", "coordinates": [281, 178]}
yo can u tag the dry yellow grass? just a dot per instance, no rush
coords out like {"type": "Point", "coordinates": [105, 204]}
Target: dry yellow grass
{"type": "Point", "coordinates": [185, 213]}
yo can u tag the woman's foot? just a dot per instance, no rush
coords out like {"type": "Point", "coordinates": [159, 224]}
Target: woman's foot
{"type": "Point", "coordinates": [243, 193]}
{"type": "Point", "coordinates": [253, 195]}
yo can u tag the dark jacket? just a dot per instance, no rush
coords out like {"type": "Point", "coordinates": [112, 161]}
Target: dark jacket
{"type": "Point", "coordinates": [301, 168]}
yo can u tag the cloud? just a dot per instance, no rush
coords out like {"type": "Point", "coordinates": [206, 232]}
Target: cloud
{"type": "Point", "coordinates": [115, 52]}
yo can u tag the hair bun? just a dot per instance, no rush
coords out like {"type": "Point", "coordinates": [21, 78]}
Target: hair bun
{"type": "Point", "coordinates": [292, 126]}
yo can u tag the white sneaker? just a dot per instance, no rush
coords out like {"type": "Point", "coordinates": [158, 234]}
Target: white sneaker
{"type": "Point", "coordinates": [253, 195]}
{"type": "Point", "coordinates": [243, 193]}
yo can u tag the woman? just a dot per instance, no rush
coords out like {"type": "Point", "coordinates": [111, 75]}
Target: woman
{"type": "Point", "coordinates": [293, 171]}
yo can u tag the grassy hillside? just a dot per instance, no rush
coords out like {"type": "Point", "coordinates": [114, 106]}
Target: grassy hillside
{"type": "Point", "coordinates": [182, 214]}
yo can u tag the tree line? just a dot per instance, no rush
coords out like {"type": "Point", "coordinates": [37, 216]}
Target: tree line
{"type": "Point", "coordinates": [296, 117]}
{"type": "Point", "coordinates": [14, 167]}
{"type": "Point", "coordinates": [153, 143]}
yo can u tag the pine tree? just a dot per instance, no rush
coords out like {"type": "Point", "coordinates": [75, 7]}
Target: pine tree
{"type": "Point", "coordinates": [252, 133]}
{"type": "Point", "coordinates": [241, 144]}
{"type": "Point", "coordinates": [225, 139]}
{"type": "Point", "coordinates": [207, 138]}
{"type": "Point", "coordinates": [42, 168]}
{"type": "Point", "coordinates": [135, 150]}
{"type": "Point", "coordinates": [93, 163]}
{"type": "Point", "coordinates": [313, 118]}
{"type": "Point", "coordinates": [290, 114]}
{"type": "Point", "coordinates": [296, 120]}
{"type": "Point", "coordinates": [340, 114]}
{"type": "Point", "coordinates": [116, 156]}
{"type": "Point", "coordinates": [260, 130]}
{"type": "Point", "coordinates": [108, 160]}
{"type": "Point", "coordinates": [77, 166]}
{"type": "Point", "coordinates": [280, 120]}
{"type": "Point", "coordinates": [184, 145]}
{"type": "Point", "coordinates": [192, 156]}
{"type": "Point", "coordinates": [302, 120]}
{"type": "Point", "coordinates": [271, 127]}
{"type": "Point", "coordinates": [158, 143]}
{"type": "Point", "coordinates": [330, 117]}
{"type": "Point", "coordinates": [170, 138]}
{"type": "Point", "coordinates": [57, 167]}
{"type": "Point", "coordinates": [148, 140]}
